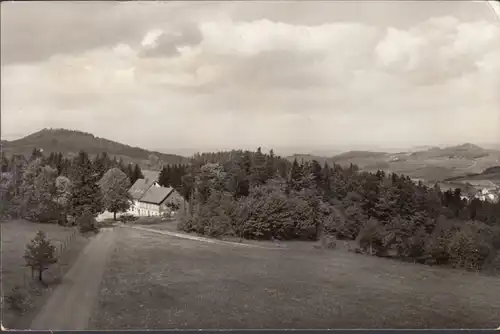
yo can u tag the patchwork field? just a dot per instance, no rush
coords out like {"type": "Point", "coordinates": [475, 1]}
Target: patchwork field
{"type": "Point", "coordinates": [155, 281]}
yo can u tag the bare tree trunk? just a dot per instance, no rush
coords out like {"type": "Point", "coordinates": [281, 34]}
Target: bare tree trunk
{"type": "Point", "coordinates": [114, 215]}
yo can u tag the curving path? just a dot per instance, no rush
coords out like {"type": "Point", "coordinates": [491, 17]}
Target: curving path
{"type": "Point", "coordinates": [71, 303]}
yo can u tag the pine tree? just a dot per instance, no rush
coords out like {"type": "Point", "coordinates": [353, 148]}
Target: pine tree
{"type": "Point", "coordinates": [86, 192]}
{"type": "Point", "coordinates": [296, 176]}
{"type": "Point", "coordinates": [130, 172]}
{"type": "Point", "coordinates": [271, 165]}
{"type": "Point", "coordinates": [40, 254]}
{"type": "Point", "coordinates": [317, 174]}
{"type": "Point", "coordinates": [259, 169]}
{"type": "Point", "coordinates": [101, 165]}
{"type": "Point", "coordinates": [137, 174]}
{"type": "Point", "coordinates": [163, 178]}
{"type": "Point", "coordinates": [237, 175]}
{"type": "Point", "coordinates": [35, 154]}
{"type": "Point", "coordinates": [5, 164]}
{"type": "Point", "coordinates": [327, 190]}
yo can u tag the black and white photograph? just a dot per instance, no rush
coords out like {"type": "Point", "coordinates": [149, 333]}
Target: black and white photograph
{"type": "Point", "coordinates": [250, 165]}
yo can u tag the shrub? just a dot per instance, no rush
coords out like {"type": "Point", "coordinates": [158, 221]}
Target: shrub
{"type": "Point", "coordinates": [416, 245]}
{"type": "Point", "coordinates": [328, 242]}
{"type": "Point", "coordinates": [371, 237]}
{"type": "Point", "coordinates": [350, 225]}
{"type": "Point", "coordinates": [127, 218]}
{"type": "Point", "coordinates": [185, 222]}
{"type": "Point", "coordinates": [437, 249]}
{"type": "Point", "coordinates": [52, 214]}
{"type": "Point", "coordinates": [18, 300]}
{"type": "Point", "coordinates": [472, 246]}
{"type": "Point", "coordinates": [270, 213]}
{"type": "Point", "coordinates": [87, 223]}
{"type": "Point", "coordinates": [213, 218]}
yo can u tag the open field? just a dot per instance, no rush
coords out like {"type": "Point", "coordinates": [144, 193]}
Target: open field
{"type": "Point", "coordinates": [156, 281]}
{"type": "Point", "coordinates": [15, 235]}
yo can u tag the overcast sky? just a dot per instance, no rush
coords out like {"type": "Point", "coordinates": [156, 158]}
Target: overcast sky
{"type": "Point", "coordinates": [169, 75]}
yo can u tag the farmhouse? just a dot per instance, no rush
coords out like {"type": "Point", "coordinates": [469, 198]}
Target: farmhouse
{"type": "Point", "coordinates": [151, 199]}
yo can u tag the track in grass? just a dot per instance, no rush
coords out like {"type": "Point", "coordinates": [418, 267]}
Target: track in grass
{"type": "Point", "coordinates": [71, 304]}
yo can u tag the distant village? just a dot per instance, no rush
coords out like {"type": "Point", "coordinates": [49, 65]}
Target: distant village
{"type": "Point", "coordinates": [483, 190]}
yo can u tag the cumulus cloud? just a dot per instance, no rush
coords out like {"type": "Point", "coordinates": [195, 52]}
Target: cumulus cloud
{"type": "Point", "coordinates": [438, 49]}
{"type": "Point", "coordinates": [161, 43]}
{"type": "Point", "coordinates": [265, 82]}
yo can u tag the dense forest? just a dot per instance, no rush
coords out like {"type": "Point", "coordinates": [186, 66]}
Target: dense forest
{"type": "Point", "coordinates": [262, 196]}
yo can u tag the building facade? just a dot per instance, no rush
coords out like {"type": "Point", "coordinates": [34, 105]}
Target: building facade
{"type": "Point", "coordinates": [149, 199]}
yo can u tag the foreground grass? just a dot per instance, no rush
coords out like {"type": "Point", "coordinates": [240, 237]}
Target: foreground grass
{"type": "Point", "coordinates": [14, 237]}
{"type": "Point", "coordinates": [154, 281]}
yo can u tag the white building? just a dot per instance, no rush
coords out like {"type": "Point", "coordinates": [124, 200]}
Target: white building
{"type": "Point", "coordinates": [151, 199]}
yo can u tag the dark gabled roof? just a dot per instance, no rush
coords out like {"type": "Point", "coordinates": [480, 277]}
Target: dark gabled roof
{"type": "Point", "coordinates": [139, 188]}
{"type": "Point", "coordinates": [156, 195]}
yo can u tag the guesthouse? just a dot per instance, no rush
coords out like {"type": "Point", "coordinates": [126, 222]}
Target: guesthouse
{"type": "Point", "coordinates": [151, 199]}
{"type": "Point", "coordinates": [159, 201]}
{"type": "Point", "coordinates": [138, 190]}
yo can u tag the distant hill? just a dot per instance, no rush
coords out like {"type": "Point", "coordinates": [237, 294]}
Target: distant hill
{"type": "Point", "coordinates": [358, 155]}
{"type": "Point", "coordinates": [342, 158]}
{"type": "Point", "coordinates": [308, 157]}
{"type": "Point", "coordinates": [431, 163]}
{"type": "Point", "coordinates": [70, 142]}
{"type": "Point", "coordinates": [489, 174]}
{"type": "Point", "coordinates": [467, 151]}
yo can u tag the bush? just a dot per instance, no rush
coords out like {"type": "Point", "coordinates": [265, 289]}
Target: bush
{"type": "Point", "coordinates": [472, 246]}
{"type": "Point", "coordinates": [128, 218]}
{"type": "Point", "coordinates": [185, 222]}
{"type": "Point", "coordinates": [270, 213]}
{"type": "Point", "coordinates": [437, 249]}
{"type": "Point", "coordinates": [52, 214]}
{"type": "Point", "coordinates": [87, 223]}
{"type": "Point", "coordinates": [214, 218]}
{"type": "Point", "coordinates": [350, 224]}
{"type": "Point", "coordinates": [371, 238]}
{"type": "Point", "coordinates": [18, 300]}
{"type": "Point", "coordinates": [266, 213]}
{"type": "Point", "coordinates": [328, 242]}
{"type": "Point", "coordinates": [416, 245]}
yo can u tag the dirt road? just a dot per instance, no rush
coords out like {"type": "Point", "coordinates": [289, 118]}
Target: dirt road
{"type": "Point", "coordinates": [196, 238]}
{"type": "Point", "coordinates": [70, 305]}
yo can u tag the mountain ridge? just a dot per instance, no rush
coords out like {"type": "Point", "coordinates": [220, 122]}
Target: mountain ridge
{"type": "Point", "coordinates": [430, 163]}
{"type": "Point", "coordinates": [70, 142]}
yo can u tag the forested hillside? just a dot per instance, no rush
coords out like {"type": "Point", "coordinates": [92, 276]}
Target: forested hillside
{"type": "Point", "coordinates": [260, 196]}
{"type": "Point", "coordinates": [70, 142]}
{"type": "Point", "coordinates": [256, 195]}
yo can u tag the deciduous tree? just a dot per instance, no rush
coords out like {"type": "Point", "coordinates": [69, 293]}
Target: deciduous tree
{"type": "Point", "coordinates": [114, 188]}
